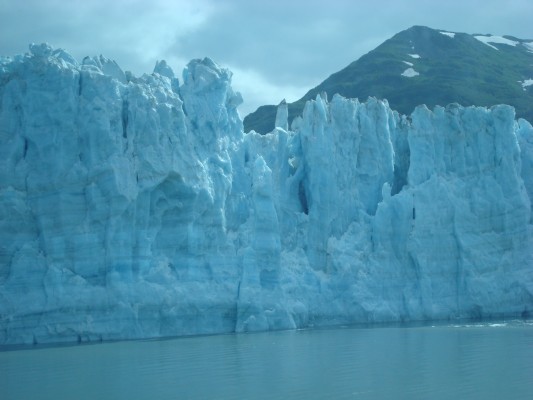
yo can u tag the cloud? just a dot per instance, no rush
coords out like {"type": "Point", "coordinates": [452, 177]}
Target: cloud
{"type": "Point", "coordinates": [289, 40]}
{"type": "Point", "coordinates": [135, 33]}
{"type": "Point", "coordinates": [276, 48]}
{"type": "Point", "coordinates": [259, 90]}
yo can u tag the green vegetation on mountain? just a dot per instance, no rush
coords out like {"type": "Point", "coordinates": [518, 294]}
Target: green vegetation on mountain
{"type": "Point", "coordinates": [459, 69]}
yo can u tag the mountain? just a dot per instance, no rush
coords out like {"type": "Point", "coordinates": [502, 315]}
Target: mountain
{"type": "Point", "coordinates": [426, 66]}
{"type": "Point", "coordinates": [135, 207]}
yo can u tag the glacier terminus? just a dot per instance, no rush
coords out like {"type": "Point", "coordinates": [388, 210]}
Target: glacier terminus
{"type": "Point", "coordinates": [136, 207]}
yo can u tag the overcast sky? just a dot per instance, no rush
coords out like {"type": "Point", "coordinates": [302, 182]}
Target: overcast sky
{"type": "Point", "coordinates": [276, 49]}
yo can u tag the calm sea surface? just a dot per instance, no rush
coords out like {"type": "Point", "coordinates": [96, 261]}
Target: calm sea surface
{"type": "Point", "coordinates": [464, 361]}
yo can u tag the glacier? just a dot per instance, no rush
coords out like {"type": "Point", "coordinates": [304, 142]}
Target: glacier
{"type": "Point", "coordinates": [136, 207]}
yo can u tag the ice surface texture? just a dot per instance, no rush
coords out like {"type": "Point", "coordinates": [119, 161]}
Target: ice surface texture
{"type": "Point", "coordinates": [135, 207]}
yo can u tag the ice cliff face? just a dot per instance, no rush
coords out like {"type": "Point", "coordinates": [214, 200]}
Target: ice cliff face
{"type": "Point", "coordinates": [136, 207]}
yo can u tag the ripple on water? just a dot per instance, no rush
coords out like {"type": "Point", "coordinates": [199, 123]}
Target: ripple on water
{"type": "Point", "coordinates": [472, 360]}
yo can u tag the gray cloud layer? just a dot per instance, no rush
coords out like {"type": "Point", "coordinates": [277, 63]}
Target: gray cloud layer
{"type": "Point", "coordinates": [275, 48]}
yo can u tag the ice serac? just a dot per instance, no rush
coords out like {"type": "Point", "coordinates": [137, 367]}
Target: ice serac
{"type": "Point", "coordinates": [462, 220]}
{"type": "Point", "coordinates": [113, 200]}
{"type": "Point", "coordinates": [135, 207]}
{"type": "Point", "coordinates": [346, 162]}
{"type": "Point", "coordinates": [282, 116]}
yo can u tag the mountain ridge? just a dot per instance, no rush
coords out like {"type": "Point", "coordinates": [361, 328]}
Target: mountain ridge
{"type": "Point", "coordinates": [421, 65]}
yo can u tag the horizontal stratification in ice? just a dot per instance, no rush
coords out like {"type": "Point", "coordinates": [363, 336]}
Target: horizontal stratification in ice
{"type": "Point", "coordinates": [134, 207]}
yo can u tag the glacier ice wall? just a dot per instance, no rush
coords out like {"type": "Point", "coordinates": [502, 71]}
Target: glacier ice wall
{"type": "Point", "coordinates": [135, 207]}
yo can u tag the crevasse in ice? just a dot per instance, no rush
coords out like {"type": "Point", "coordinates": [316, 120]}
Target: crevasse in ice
{"type": "Point", "coordinates": [135, 207]}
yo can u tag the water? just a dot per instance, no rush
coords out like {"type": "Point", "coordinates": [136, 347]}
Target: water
{"type": "Point", "coordinates": [476, 361]}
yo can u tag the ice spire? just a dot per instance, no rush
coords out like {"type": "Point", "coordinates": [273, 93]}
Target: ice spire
{"type": "Point", "coordinates": [282, 116]}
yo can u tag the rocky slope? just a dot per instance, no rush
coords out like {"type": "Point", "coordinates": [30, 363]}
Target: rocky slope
{"type": "Point", "coordinates": [427, 66]}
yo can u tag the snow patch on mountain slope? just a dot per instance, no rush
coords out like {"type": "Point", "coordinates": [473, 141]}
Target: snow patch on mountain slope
{"type": "Point", "coordinates": [449, 34]}
{"type": "Point", "coordinates": [525, 83]}
{"type": "Point", "coordinates": [495, 39]}
{"type": "Point", "coordinates": [410, 72]}
{"type": "Point", "coordinates": [528, 46]}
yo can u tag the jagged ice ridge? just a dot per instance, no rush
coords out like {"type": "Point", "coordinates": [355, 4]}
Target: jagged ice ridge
{"type": "Point", "coordinates": [134, 207]}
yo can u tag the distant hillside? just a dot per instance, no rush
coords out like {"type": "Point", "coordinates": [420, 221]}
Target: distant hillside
{"type": "Point", "coordinates": [427, 66]}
